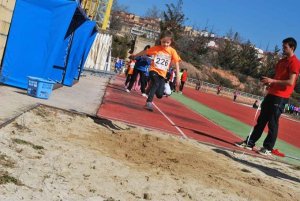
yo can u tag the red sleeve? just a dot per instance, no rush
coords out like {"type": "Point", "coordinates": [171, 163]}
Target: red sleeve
{"type": "Point", "coordinates": [295, 67]}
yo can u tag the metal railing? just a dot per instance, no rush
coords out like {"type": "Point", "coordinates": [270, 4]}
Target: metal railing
{"type": "Point", "coordinates": [228, 91]}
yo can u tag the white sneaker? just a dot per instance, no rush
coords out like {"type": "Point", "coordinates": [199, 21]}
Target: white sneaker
{"type": "Point", "coordinates": [145, 95]}
{"type": "Point", "coordinates": [265, 152]}
{"type": "Point", "coordinates": [127, 90]}
{"type": "Point", "coordinates": [243, 145]}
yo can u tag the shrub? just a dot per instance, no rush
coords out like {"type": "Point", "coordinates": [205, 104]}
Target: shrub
{"type": "Point", "coordinates": [221, 80]}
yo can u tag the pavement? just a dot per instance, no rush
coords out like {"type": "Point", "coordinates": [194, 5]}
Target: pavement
{"type": "Point", "coordinates": [84, 97]}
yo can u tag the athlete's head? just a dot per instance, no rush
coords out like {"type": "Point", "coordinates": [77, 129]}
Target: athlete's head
{"type": "Point", "coordinates": [289, 46]}
{"type": "Point", "coordinates": [166, 38]}
{"type": "Point", "coordinates": [146, 47]}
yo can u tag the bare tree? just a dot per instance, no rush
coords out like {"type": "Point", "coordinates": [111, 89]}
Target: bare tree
{"type": "Point", "coordinates": [173, 19]}
{"type": "Point", "coordinates": [153, 12]}
{"type": "Point", "coordinates": [234, 36]}
{"type": "Point", "coordinates": [119, 7]}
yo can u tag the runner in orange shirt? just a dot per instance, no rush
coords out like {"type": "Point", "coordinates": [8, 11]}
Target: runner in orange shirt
{"type": "Point", "coordinates": [129, 71]}
{"type": "Point", "coordinates": [163, 55]}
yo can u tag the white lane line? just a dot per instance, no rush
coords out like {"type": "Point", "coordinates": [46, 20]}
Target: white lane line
{"type": "Point", "coordinates": [173, 124]}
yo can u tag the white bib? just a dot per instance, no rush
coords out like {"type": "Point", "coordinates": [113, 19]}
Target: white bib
{"type": "Point", "coordinates": [162, 61]}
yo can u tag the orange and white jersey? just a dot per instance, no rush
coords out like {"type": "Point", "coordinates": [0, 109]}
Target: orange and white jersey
{"type": "Point", "coordinates": [162, 58]}
{"type": "Point", "coordinates": [131, 67]}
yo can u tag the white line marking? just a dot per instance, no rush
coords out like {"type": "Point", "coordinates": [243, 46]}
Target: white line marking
{"type": "Point", "coordinates": [173, 124]}
{"type": "Point", "coordinates": [211, 121]}
{"type": "Point", "coordinates": [290, 118]}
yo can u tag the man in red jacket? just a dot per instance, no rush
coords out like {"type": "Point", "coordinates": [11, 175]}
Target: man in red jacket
{"type": "Point", "coordinates": [183, 79]}
{"type": "Point", "coordinates": [280, 89]}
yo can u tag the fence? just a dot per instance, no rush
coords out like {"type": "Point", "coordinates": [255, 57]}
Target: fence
{"type": "Point", "coordinates": [212, 88]}
{"type": "Point", "coordinates": [209, 87]}
{"type": "Point", "coordinates": [99, 58]}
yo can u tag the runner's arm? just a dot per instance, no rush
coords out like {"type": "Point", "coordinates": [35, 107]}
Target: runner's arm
{"type": "Point", "coordinates": [142, 53]}
{"type": "Point", "coordinates": [177, 76]}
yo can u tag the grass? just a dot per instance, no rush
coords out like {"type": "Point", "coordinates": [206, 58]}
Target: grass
{"type": "Point", "coordinates": [5, 161]}
{"type": "Point", "coordinates": [234, 125]}
{"type": "Point", "coordinates": [5, 178]}
{"type": "Point", "coordinates": [20, 141]}
{"type": "Point", "coordinates": [295, 167]}
{"type": "Point", "coordinates": [21, 127]}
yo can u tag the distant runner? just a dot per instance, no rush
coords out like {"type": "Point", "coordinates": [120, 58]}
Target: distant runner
{"type": "Point", "coordinates": [141, 68]}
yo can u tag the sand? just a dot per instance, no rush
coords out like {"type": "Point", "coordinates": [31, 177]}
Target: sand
{"type": "Point", "coordinates": [49, 154]}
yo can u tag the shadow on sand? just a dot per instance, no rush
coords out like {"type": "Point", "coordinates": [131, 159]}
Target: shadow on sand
{"type": "Point", "coordinates": [268, 171]}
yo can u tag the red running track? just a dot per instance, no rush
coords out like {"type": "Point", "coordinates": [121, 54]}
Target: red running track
{"type": "Point", "coordinates": [128, 107]}
{"type": "Point", "coordinates": [288, 129]}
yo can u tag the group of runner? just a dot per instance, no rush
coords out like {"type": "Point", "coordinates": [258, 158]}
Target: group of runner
{"type": "Point", "coordinates": [150, 69]}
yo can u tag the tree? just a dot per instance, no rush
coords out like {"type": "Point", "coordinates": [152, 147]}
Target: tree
{"type": "Point", "coordinates": [193, 49]}
{"type": "Point", "coordinates": [173, 19]}
{"type": "Point", "coordinates": [247, 60]}
{"type": "Point", "coordinates": [234, 36]}
{"type": "Point", "coordinates": [229, 50]}
{"type": "Point", "coordinates": [119, 7]}
{"type": "Point", "coordinates": [153, 12]}
{"type": "Point", "coordinates": [268, 67]}
{"type": "Point", "coordinates": [115, 23]}
{"type": "Point", "coordinates": [227, 55]}
{"type": "Point", "coordinates": [120, 46]}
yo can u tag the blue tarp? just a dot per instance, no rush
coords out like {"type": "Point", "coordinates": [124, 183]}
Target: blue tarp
{"type": "Point", "coordinates": [36, 35]}
{"type": "Point", "coordinates": [89, 45]}
{"type": "Point", "coordinates": [79, 44]}
{"type": "Point", "coordinates": [60, 66]}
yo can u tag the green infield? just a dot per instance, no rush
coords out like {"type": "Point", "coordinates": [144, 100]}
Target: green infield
{"type": "Point", "coordinates": [235, 126]}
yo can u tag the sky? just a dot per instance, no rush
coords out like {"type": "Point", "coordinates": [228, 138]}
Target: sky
{"type": "Point", "coordinates": [264, 22]}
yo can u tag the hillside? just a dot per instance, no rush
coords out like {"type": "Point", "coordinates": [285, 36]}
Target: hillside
{"type": "Point", "coordinates": [224, 77]}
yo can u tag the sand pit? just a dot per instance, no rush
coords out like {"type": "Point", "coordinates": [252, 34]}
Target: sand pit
{"type": "Point", "coordinates": [49, 154]}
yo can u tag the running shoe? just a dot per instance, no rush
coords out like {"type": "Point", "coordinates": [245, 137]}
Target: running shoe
{"type": "Point", "coordinates": [149, 106]}
{"type": "Point", "coordinates": [265, 152]}
{"type": "Point", "coordinates": [243, 145]}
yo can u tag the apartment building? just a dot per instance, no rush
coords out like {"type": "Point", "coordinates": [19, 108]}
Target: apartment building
{"type": "Point", "coordinates": [138, 26]}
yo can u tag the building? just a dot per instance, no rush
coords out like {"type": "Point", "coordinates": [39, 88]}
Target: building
{"type": "Point", "coordinates": [138, 26]}
{"type": "Point", "coordinates": [260, 53]}
{"type": "Point", "coordinates": [189, 31]}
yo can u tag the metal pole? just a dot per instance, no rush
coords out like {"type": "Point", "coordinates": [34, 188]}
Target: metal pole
{"type": "Point", "coordinates": [107, 14]}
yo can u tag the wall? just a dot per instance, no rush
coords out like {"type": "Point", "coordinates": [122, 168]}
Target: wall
{"type": "Point", "coordinates": [6, 12]}
{"type": "Point", "coordinates": [140, 44]}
